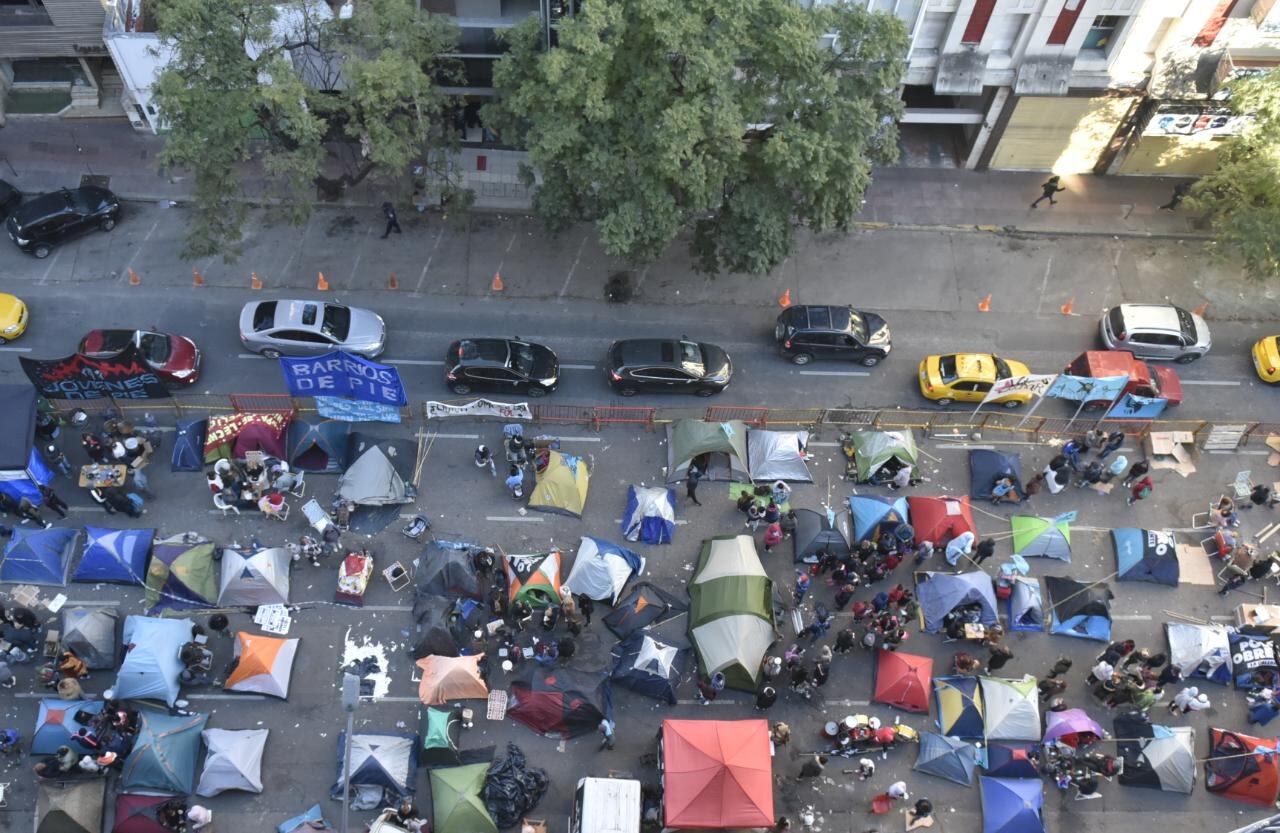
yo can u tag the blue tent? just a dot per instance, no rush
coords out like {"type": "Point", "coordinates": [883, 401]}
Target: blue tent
{"type": "Point", "coordinates": [1079, 609]}
{"type": "Point", "coordinates": [165, 753]}
{"type": "Point", "coordinates": [39, 556]}
{"type": "Point", "coordinates": [1011, 805]}
{"type": "Point", "coordinates": [319, 447]}
{"type": "Point", "coordinates": [304, 823]}
{"type": "Point", "coordinates": [188, 445]}
{"type": "Point", "coordinates": [384, 769]}
{"type": "Point", "coordinates": [650, 516]}
{"type": "Point", "coordinates": [151, 666]}
{"type": "Point", "coordinates": [1011, 759]}
{"type": "Point", "coordinates": [958, 702]}
{"type": "Point", "coordinates": [648, 666]}
{"type": "Point", "coordinates": [944, 757]}
{"type": "Point", "coordinates": [1146, 555]}
{"type": "Point", "coordinates": [56, 724]}
{"type": "Point", "coordinates": [114, 555]}
{"type": "Point", "coordinates": [987, 466]}
{"type": "Point", "coordinates": [942, 593]}
{"type": "Point", "coordinates": [876, 515]}
{"type": "Point", "coordinates": [1025, 607]}
{"type": "Point", "coordinates": [22, 469]}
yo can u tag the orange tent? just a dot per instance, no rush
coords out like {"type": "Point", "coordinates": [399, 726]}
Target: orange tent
{"type": "Point", "coordinates": [717, 774]}
{"type": "Point", "coordinates": [450, 678]}
{"type": "Point", "coordinates": [264, 664]}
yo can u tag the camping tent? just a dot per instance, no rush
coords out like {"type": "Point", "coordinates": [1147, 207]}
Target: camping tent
{"type": "Point", "coordinates": [1036, 537]}
{"type": "Point", "coordinates": [876, 515]}
{"type": "Point", "coordinates": [1012, 708]}
{"type": "Point", "coordinates": [456, 802]}
{"type": "Point", "coordinates": [1025, 608]}
{"type": "Point", "coordinates": [958, 701]}
{"type": "Point", "coordinates": [902, 681]}
{"type": "Point", "coordinates": [181, 574]}
{"type": "Point", "coordinates": [648, 667]}
{"type": "Point", "coordinates": [384, 769]}
{"type": "Point", "coordinates": [1156, 757]}
{"type": "Point", "coordinates": [1079, 609]}
{"type": "Point", "coordinates": [601, 570]}
{"type": "Point", "coordinates": [318, 446]}
{"type": "Point", "coordinates": [438, 734]}
{"type": "Point", "coordinates": [1011, 805]}
{"type": "Point", "coordinates": [22, 469]}
{"type": "Point", "coordinates": [443, 571]}
{"type": "Point", "coordinates": [643, 605]}
{"type": "Point", "coordinates": [814, 532]}
{"type": "Point", "coordinates": [437, 632]}
{"type": "Point", "coordinates": [946, 757]}
{"type": "Point", "coordinates": [1200, 651]}
{"type": "Point", "coordinates": [39, 556]}
{"type": "Point", "coordinates": [650, 516]}
{"type": "Point", "coordinates": [874, 449]}
{"type": "Point", "coordinates": [372, 480]}
{"type": "Point", "coordinates": [252, 579]}
{"type": "Point", "coordinates": [70, 806]}
{"type": "Point", "coordinates": [719, 447]}
{"type": "Point", "coordinates": [235, 435]}
{"type": "Point", "coordinates": [451, 678]}
{"type": "Point", "coordinates": [233, 762]}
{"type": "Point", "coordinates": [151, 665]}
{"type": "Point", "coordinates": [264, 664]}
{"type": "Point", "coordinates": [165, 753]}
{"type": "Point", "coordinates": [114, 555]}
{"type": "Point", "coordinates": [1011, 759]}
{"type": "Point", "coordinates": [91, 633]}
{"type": "Point", "coordinates": [534, 578]}
{"type": "Point", "coordinates": [1146, 555]}
{"type": "Point", "coordinates": [188, 445]}
{"type": "Point", "coordinates": [731, 610]}
{"type": "Point", "coordinates": [559, 702]}
{"type": "Point", "coordinates": [941, 593]}
{"type": "Point", "coordinates": [939, 519]}
{"type": "Point", "coordinates": [140, 813]}
{"type": "Point", "coordinates": [560, 483]}
{"type": "Point", "coordinates": [56, 724]}
{"type": "Point", "coordinates": [987, 466]}
{"type": "Point", "coordinates": [716, 774]}
{"type": "Point", "coordinates": [777, 455]}
{"type": "Point", "coordinates": [1072, 727]}
{"type": "Point", "coordinates": [1233, 773]}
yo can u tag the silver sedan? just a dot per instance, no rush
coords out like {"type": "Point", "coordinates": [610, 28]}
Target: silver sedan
{"type": "Point", "coordinates": [310, 328]}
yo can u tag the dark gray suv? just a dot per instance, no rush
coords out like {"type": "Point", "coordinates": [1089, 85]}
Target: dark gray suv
{"type": "Point", "coordinates": [39, 225]}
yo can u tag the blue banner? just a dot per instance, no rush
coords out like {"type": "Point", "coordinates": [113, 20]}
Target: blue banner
{"type": "Point", "coordinates": [1079, 388]}
{"type": "Point", "coordinates": [353, 410]}
{"type": "Point", "coordinates": [1132, 406]}
{"type": "Point", "coordinates": [342, 374]}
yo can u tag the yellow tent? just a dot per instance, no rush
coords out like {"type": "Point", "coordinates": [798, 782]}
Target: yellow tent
{"type": "Point", "coordinates": [561, 484]}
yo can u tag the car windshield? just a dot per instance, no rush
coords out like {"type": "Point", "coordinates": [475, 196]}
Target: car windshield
{"type": "Point", "coordinates": [522, 358]}
{"type": "Point", "coordinates": [264, 316]}
{"type": "Point", "coordinates": [947, 368]}
{"type": "Point", "coordinates": [1188, 326]}
{"type": "Point", "coordinates": [1002, 368]}
{"type": "Point", "coordinates": [337, 322]}
{"type": "Point", "coordinates": [155, 347]}
{"type": "Point", "coordinates": [690, 354]}
{"type": "Point", "coordinates": [857, 325]}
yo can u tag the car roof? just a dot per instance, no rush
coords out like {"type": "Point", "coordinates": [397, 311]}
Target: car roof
{"type": "Point", "coordinates": [289, 314]}
{"type": "Point", "coordinates": [1151, 317]}
{"type": "Point", "coordinates": [484, 351]}
{"type": "Point", "coordinates": [977, 366]}
{"type": "Point", "coordinates": [651, 351]}
{"type": "Point", "coordinates": [822, 317]}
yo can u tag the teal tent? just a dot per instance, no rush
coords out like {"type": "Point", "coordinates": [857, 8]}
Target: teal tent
{"type": "Point", "coordinates": [165, 754]}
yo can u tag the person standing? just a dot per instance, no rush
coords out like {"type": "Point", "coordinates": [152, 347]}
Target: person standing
{"type": "Point", "coordinates": [986, 548]}
{"type": "Point", "coordinates": [1114, 440]}
{"type": "Point", "coordinates": [706, 692]}
{"type": "Point", "coordinates": [1138, 469]}
{"type": "Point", "coordinates": [772, 536]}
{"type": "Point", "coordinates": [1180, 192]}
{"type": "Point", "coordinates": [766, 697]}
{"type": "Point", "coordinates": [1050, 187]}
{"type": "Point", "coordinates": [802, 585]}
{"type": "Point", "coordinates": [52, 500]}
{"type": "Point", "coordinates": [515, 483]}
{"type": "Point", "coordinates": [691, 485]}
{"type": "Point", "coordinates": [1060, 667]}
{"type": "Point", "coordinates": [998, 656]}
{"type": "Point", "coordinates": [1140, 490]}
{"type": "Point", "coordinates": [586, 606]}
{"type": "Point", "coordinates": [393, 223]}
{"type": "Point", "coordinates": [606, 731]}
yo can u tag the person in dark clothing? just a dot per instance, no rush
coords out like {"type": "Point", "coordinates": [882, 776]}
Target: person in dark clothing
{"type": "Point", "coordinates": [799, 676]}
{"type": "Point", "coordinates": [54, 502]}
{"type": "Point", "coordinates": [766, 697]}
{"type": "Point", "coordinates": [586, 606]}
{"type": "Point", "coordinates": [845, 641]}
{"type": "Point", "coordinates": [814, 767]}
{"type": "Point", "coordinates": [985, 549]}
{"type": "Point", "coordinates": [844, 595]}
{"type": "Point", "coordinates": [1180, 192]}
{"type": "Point", "coordinates": [1048, 189]}
{"type": "Point", "coordinates": [28, 511]}
{"type": "Point", "coordinates": [999, 655]}
{"type": "Point", "coordinates": [821, 671]}
{"type": "Point", "coordinates": [691, 485]}
{"type": "Point", "coordinates": [1169, 675]}
{"type": "Point", "coordinates": [1136, 471]}
{"type": "Point", "coordinates": [1114, 440]}
{"type": "Point", "coordinates": [566, 646]}
{"type": "Point", "coordinates": [550, 618]}
{"type": "Point", "coordinates": [1263, 496]}
{"type": "Point", "coordinates": [23, 617]}
{"type": "Point", "coordinates": [1062, 666]}
{"type": "Point", "coordinates": [393, 223]}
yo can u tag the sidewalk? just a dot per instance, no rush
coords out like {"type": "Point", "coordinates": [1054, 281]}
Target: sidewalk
{"type": "Point", "coordinates": [38, 155]}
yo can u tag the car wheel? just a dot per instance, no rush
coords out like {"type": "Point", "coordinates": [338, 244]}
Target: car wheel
{"type": "Point", "coordinates": [107, 224]}
{"type": "Point", "coordinates": [627, 391]}
{"type": "Point", "coordinates": [536, 392]}
{"type": "Point", "coordinates": [270, 353]}
{"type": "Point", "coordinates": [801, 358]}
{"type": "Point", "coordinates": [1187, 358]}
{"type": "Point", "coordinates": [460, 388]}
{"type": "Point", "coordinates": [946, 400]}
{"type": "Point", "coordinates": [1012, 403]}
{"type": "Point", "coordinates": [41, 251]}
{"type": "Point", "coordinates": [871, 361]}
{"type": "Point", "coordinates": [706, 391]}
{"type": "Point", "coordinates": [3, 340]}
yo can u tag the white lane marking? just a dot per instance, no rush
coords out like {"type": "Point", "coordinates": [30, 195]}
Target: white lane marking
{"type": "Point", "coordinates": [834, 373]}
{"type": "Point", "coordinates": [677, 522]}
{"type": "Point", "coordinates": [249, 356]}
{"type": "Point", "coordinates": [580, 439]}
{"type": "Point", "coordinates": [427, 266]}
{"type": "Point", "coordinates": [573, 268]}
{"type": "Point", "coordinates": [426, 362]}
{"type": "Point", "coordinates": [817, 444]}
{"type": "Point", "coordinates": [450, 437]}
{"type": "Point", "coordinates": [86, 509]}
{"type": "Point", "coordinates": [577, 367]}
{"type": "Point", "coordinates": [138, 251]}
{"type": "Point", "coordinates": [87, 603]}
{"type": "Point", "coordinates": [712, 703]}
{"type": "Point", "coordinates": [224, 697]}
{"type": "Point", "coordinates": [56, 253]}
{"type": "Point", "coordinates": [1232, 382]}
{"type": "Point", "coordinates": [1222, 618]}
{"type": "Point", "coordinates": [1131, 617]}
{"type": "Point", "coordinates": [515, 519]}
{"type": "Point", "coordinates": [16, 349]}
{"type": "Point", "coordinates": [387, 608]}
{"type": "Point", "coordinates": [376, 700]}
{"type": "Point", "coordinates": [1240, 451]}
{"type": "Point", "coordinates": [962, 446]}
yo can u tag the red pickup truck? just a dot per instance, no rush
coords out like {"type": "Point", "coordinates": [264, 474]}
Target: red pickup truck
{"type": "Point", "coordinates": [1162, 384]}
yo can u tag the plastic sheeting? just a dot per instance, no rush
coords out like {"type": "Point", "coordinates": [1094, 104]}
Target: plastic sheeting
{"type": "Point", "coordinates": [512, 788]}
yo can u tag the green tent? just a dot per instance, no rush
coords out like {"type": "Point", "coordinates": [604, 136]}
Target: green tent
{"type": "Point", "coordinates": [182, 574]}
{"type": "Point", "coordinates": [456, 806]}
{"type": "Point", "coordinates": [722, 447]}
{"type": "Point", "coordinates": [439, 730]}
{"type": "Point", "coordinates": [731, 610]}
{"type": "Point", "coordinates": [1036, 537]}
{"type": "Point", "coordinates": [875, 448]}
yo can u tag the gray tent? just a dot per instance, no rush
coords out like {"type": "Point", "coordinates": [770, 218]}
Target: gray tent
{"type": "Point", "coordinates": [261, 578]}
{"type": "Point", "coordinates": [814, 532]}
{"type": "Point", "coordinates": [233, 762]}
{"type": "Point", "coordinates": [719, 447]}
{"type": "Point", "coordinates": [777, 455]}
{"type": "Point", "coordinates": [372, 480]}
{"type": "Point", "coordinates": [91, 633]}
{"type": "Point", "coordinates": [70, 806]}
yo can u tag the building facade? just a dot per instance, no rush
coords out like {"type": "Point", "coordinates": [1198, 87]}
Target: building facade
{"type": "Point", "coordinates": [52, 57]}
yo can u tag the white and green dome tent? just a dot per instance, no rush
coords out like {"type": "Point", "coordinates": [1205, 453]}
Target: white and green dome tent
{"type": "Point", "coordinates": [731, 610]}
{"type": "Point", "coordinates": [719, 447]}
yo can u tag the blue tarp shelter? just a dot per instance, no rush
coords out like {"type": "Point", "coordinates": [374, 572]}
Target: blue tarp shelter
{"type": "Point", "coordinates": [1011, 759]}
{"type": "Point", "coordinates": [650, 515]}
{"type": "Point", "coordinates": [944, 592]}
{"type": "Point", "coordinates": [56, 724]}
{"type": "Point", "coordinates": [188, 445]}
{"type": "Point", "coordinates": [876, 515]}
{"type": "Point", "coordinates": [958, 702]}
{"type": "Point", "coordinates": [1079, 609]}
{"type": "Point", "coordinates": [1011, 805]}
{"type": "Point", "coordinates": [114, 555]}
{"type": "Point", "coordinates": [309, 821]}
{"type": "Point", "coordinates": [165, 753]}
{"type": "Point", "coordinates": [319, 447]}
{"type": "Point", "coordinates": [986, 466]}
{"type": "Point", "coordinates": [1146, 555]}
{"type": "Point", "coordinates": [151, 667]}
{"type": "Point", "coordinates": [22, 469]}
{"type": "Point", "coordinates": [39, 556]}
{"type": "Point", "coordinates": [950, 758]}
{"type": "Point", "coordinates": [1025, 607]}
{"type": "Point", "coordinates": [648, 666]}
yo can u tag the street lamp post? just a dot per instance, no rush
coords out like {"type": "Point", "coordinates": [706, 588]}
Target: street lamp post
{"type": "Point", "coordinates": [350, 700]}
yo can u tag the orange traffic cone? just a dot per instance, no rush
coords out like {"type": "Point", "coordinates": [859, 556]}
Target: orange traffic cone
{"type": "Point", "coordinates": [321, 284]}
{"type": "Point", "coordinates": [197, 279]}
{"type": "Point", "coordinates": [134, 280]}
{"type": "Point", "coordinates": [785, 300]}
{"type": "Point", "coordinates": [392, 283]}
{"type": "Point", "coordinates": [1202, 309]}
{"type": "Point", "coordinates": [985, 304]}
{"type": "Point", "coordinates": [1066, 309]}
{"type": "Point", "coordinates": [255, 282]}
{"type": "Point", "coordinates": [497, 285]}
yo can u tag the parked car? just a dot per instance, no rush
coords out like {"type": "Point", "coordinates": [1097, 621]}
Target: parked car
{"type": "Point", "coordinates": [49, 219]}
{"type": "Point", "coordinates": [310, 328]}
{"type": "Point", "coordinates": [174, 358]}
{"type": "Point", "coordinates": [805, 333]}
{"type": "Point", "coordinates": [503, 365]}
{"type": "Point", "coordinates": [1266, 359]}
{"type": "Point", "coordinates": [667, 366]}
{"type": "Point", "coordinates": [10, 198]}
{"type": "Point", "coordinates": [13, 317]}
{"type": "Point", "coordinates": [1156, 331]}
{"type": "Point", "coordinates": [1153, 383]}
{"type": "Point", "coordinates": [968, 377]}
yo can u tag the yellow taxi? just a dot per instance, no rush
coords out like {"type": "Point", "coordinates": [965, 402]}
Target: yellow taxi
{"type": "Point", "coordinates": [13, 318]}
{"type": "Point", "coordinates": [1266, 359]}
{"type": "Point", "coordinates": [968, 377]}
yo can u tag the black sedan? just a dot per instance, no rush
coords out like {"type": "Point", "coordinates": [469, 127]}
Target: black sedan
{"type": "Point", "coordinates": [667, 366]}
{"type": "Point", "coordinates": [500, 365]}
{"type": "Point", "coordinates": [49, 219]}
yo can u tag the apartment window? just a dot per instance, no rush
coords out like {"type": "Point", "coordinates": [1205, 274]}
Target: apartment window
{"type": "Point", "coordinates": [1102, 32]}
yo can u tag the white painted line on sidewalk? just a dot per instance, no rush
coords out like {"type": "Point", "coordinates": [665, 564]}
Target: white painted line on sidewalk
{"type": "Point", "coordinates": [581, 439]}
{"type": "Point", "coordinates": [677, 522]}
{"type": "Point", "coordinates": [386, 608]}
{"type": "Point", "coordinates": [1223, 382]}
{"type": "Point", "coordinates": [820, 444]}
{"type": "Point", "coordinates": [16, 349]}
{"type": "Point", "coordinates": [577, 367]}
{"type": "Point", "coordinates": [87, 603]}
{"type": "Point", "coordinates": [376, 700]}
{"type": "Point", "coordinates": [1254, 453]}
{"type": "Point", "coordinates": [223, 697]}
{"type": "Point", "coordinates": [425, 362]}
{"type": "Point", "coordinates": [452, 436]}
{"type": "Point", "coordinates": [1131, 617]}
{"type": "Point", "coordinates": [48, 269]}
{"type": "Point", "coordinates": [515, 519]}
{"type": "Point", "coordinates": [712, 703]}
{"type": "Point", "coordinates": [86, 509]}
{"type": "Point", "coordinates": [963, 446]}
{"type": "Point", "coordinates": [1221, 618]}
{"type": "Point", "coordinates": [834, 373]}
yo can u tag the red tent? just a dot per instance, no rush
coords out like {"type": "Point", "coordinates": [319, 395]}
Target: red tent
{"type": "Point", "coordinates": [137, 813]}
{"type": "Point", "coordinates": [903, 681]}
{"type": "Point", "coordinates": [717, 774]}
{"type": "Point", "coordinates": [939, 519]}
{"type": "Point", "coordinates": [1233, 773]}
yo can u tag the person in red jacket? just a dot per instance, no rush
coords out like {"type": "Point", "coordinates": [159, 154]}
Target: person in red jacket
{"type": "Point", "coordinates": [1140, 490]}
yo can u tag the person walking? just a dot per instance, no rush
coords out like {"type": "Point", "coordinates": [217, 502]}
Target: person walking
{"type": "Point", "coordinates": [813, 767]}
{"type": "Point", "coordinates": [1180, 192]}
{"type": "Point", "coordinates": [1050, 187]}
{"type": "Point", "coordinates": [985, 549]}
{"type": "Point", "coordinates": [691, 485]}
{"type": "Point", "coordinates": [52, 500]}
{"type": "Point", "coordinates": [606, 731]}
{"type": "Point", "coordinates": [1140, 490]}
{"type": "Point", "coordinates": [1137, 470]}
{"type": "Point", "coordinates": [998, 656]}
{"type": "Point", "coordinates": [845, 640]}
{"type": "Point", "coordinates": [393, 223]}
{"type": "Point", "coordinates": [707, 692]}
{"type": "Point", "coordinates": [1060, 667]}
{"type": "Point", "coordinates": [515, 483]}
{"type": "Point", "coordinates": [772, 536]}
{"type": "Point", "coordinates": [802, 585]}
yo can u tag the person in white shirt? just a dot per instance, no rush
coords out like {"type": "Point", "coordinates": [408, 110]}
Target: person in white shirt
{"type": "Point", "coordinates": [960, 545]}
{"type": "Point", "coordinates": [1101, 672]}
{"type": "Point", "coordinates": [898, 791]}
{"type": "Point", "coordinates": [1189, 700]}
{"type": "Point", "coordinates": [199, 816]}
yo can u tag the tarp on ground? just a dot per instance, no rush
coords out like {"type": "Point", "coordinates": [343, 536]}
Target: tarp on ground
{"type": "Point", "coordinates": [312, 819]}
{"type": "Point", "coordinates": [534, 578]}
{"type": "Point", "coordinates": [456, 805]}
{"type": "Point", "coordinates": [140, 813]}
{"type": "Point", "coordinates": [165, 753]}
{"type": "Point", "coordinates": [372, 480]}
{"type": "Point", "coordinates": [188, 445]}
{"type": "Point", "coordinates": [319, 447]}
{"type": "Point", "coordinates": [958, 701]}
{"type": "Point", "coordinates": [941, 593]}
{"type": "Point", "coordinates": [253, 579]}
{"type": "Point", "coordinates": [151, 665]}
{"type": "Point", "coordinates": [643, 605]}
{"type": "Point", "coordinates": [264, 664]}
{"type": "Point", "coordinates": [451, 678]}
{"type": "Point", "coordinates": [648, 666]}
{"type": "Point", "coordinates": [986, 466]}
{"type": "Point", "coordinates": [1012, 708]}
{"type": "Point", "coordinates": [438, 733]}
{"type": "Point", "coordinates": [39, 556]}
{"type": "Point", "coordinates": [1011, 805]}
{"type": "Point", "coordinates": [1146, 555]}
{"type": "Point", "coordinates": [233, 761]}
{"type": "Point", "coordinates": [650, 514]}
{"type": "Point", "coordinates": [1202, 651]}
{"type": "Point", "coordinates": [716, 774]}
{"type": "Point", "coordinates": [443, 571]}
{"type": "Point", "coordinates": [1250, 653]}
{"type": "Point", "coordinates": [945, 757]}
{"type": "Point", "coordinates": [1155, 757]}
{"type": "Point", "coordinates": [1012, 759]}
{"type": "Point", "coordinates": [438, 631]}
{"type": "Point", "coordinates": [939, 519]}
{"type": "Point", "coordinates": [720, 447]}
{"type": "Point", "coordinates": [559, 702]}
{"type": "Point", "coordinates": [117, 556]}
{"type": "Point", "coordinates": [778, 455]}
{"type": "Point", "coordinates": [561, 482]}
{"type": "Point", "coordinates": [1078, 609]}
{"type": "Point", "coordinates": [902, 681]}
{"type": "Point", "coordinates": [1037, 537]}
{"type": "Point", "coordinates": [815, 533]}
{"type": "Point", "coordinates": [56, 724]}
{"type": "Point", "coordinates": [876, 515]}
{"type": "Point", "coordinates": [384, 769]}
{"type": "Point", "coordinates": [731, 610]}
{"type": "Point", "coordinates": [873, 449]}
{"type": "Point", "coordinates": [1071, 727]}
{"type": "Point", "coordinates": [70, 806]}
{"type": "Point", "coordinates": [601, 569]}
{"type": "Point", "coordinates": [182, 574]}
{"type": "Point", "coordinates": [1233, 772]}
{"type": "Point", "coordinates": [22, 469]}
{"type": "Point", "coordinates": [91, 633]}
{"type": "Point", "coordinates": [1025, 607]}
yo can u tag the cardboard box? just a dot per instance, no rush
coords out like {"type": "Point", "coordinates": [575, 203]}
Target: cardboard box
{"type": "Point", "coordinates": [1258, 618]}
{"type": "Point", "coordinates": [1171, 450]}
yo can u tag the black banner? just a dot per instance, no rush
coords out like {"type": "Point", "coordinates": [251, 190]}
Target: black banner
{"type": "Point", "coordinates": [123, 376]}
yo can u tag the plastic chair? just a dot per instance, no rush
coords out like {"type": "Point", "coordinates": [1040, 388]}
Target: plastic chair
{"type": "Point", "coordinates": [220, 502]}
{"type": "Point", "coordinates": [396, 576]}
{"type": "Point", "coordinates": [273, 511]}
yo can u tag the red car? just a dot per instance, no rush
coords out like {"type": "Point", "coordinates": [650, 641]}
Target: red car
{"type": "Point", "coordinates": [174, 358]}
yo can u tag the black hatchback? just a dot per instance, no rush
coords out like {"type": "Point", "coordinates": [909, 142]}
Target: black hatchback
{"type": "Point", "coordinates": [502, 365]}
{"type": "Point", "coordinates": [667, 366]}
{"type": "Point", "coordinates": [805, 333]}
{"type": "Point", "coordinates": [44, 222]}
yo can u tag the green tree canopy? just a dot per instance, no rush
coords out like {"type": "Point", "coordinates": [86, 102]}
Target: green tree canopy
{"type": "Point", "coordinates": [319, 103]}
{"type": "Point", "coordinates": [738, 120]}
